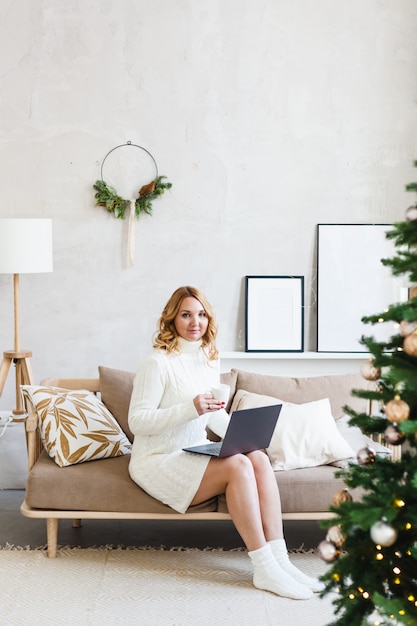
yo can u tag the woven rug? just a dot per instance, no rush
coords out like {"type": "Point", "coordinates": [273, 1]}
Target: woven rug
{"type": "Point", "coordinates": [181, 587]}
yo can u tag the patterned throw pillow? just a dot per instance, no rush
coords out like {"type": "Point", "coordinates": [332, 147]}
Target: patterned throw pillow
{"type": "Point", "coordinates": [75, 426]}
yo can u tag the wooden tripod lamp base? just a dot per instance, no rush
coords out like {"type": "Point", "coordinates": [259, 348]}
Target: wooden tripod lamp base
{"type": "Point", "coordinates": [23, 374]}
{"type": "Point", "coordinates": [25, 248]}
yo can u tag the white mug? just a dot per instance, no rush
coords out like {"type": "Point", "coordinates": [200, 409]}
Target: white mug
{"type": "Point", "coordinates": [221, 392]}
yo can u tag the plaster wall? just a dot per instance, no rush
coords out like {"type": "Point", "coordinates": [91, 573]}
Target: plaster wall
{"type": "Point", "coordinates": [268, 117]}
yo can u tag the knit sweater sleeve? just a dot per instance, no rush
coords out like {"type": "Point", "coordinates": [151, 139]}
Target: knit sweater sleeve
{"type": "Point", "coordinates": [146, 417]}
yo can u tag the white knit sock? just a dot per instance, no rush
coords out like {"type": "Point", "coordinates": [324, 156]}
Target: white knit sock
{"type": "Point", "coordinates": [269, 576]}
{"type": "Point", "coordinates": [280, 552]}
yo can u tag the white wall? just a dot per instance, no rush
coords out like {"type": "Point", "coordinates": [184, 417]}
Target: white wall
{"type": "Point", "coordinates": [268, 116]}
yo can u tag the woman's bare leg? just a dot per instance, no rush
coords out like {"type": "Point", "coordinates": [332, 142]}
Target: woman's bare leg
{"type": "Point", "coordinates": [235, 477]}
{"type": "Point", "coordinates": [268, 495]}
{"type": "Point", "coordinates": [253, 502]}
{"type": "Point", "coordinates": [269, 503]}
{"type": "Point", "coordinates": [252, 495]}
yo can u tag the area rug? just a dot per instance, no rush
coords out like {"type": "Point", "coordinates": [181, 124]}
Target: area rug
{"type": "Point", "coordinates": [126, 586]}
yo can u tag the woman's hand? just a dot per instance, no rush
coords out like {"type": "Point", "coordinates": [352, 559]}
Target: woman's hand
{"type": "Point", "coordinates": [205, 403]}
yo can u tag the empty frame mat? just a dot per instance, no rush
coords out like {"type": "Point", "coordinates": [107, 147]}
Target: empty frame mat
{"type": "Point", "coordinates": [274, 313]}
{"type": "Point", "coordinates": [353, 283]}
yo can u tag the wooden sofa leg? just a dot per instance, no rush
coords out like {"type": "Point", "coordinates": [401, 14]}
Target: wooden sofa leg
{"type": "Point", "coordinates": [76, 523]}
{"type": "Point", "coordinates": [52, 536]}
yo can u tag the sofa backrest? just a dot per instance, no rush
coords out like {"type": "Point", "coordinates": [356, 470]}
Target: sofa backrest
{"type": "Point", "coordinates": [336, 387]}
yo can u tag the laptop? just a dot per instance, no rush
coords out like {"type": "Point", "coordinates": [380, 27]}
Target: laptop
{"type": "Point", "coordinates": [248, 430]}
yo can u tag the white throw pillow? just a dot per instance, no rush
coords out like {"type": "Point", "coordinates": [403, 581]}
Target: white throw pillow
{"type": "Point", "coordinates": [75, 426]}
{"type": "Point", "coordinates": [357, 440]}
{"type": "Point", "coordinates": [306, 434]}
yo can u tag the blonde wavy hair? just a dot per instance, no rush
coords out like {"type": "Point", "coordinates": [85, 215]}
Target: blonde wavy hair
{"type": "Point", "coordinates": [166, 337]}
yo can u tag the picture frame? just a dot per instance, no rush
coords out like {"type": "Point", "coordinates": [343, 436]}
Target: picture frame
{"type": "Point", "coordinates": [353, 283]}
{"type": "Point", "coordinates": [274, 314]}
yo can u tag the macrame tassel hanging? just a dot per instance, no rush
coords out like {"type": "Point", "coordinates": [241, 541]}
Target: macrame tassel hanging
{"type": "Point", "coordinates": [131, 235]}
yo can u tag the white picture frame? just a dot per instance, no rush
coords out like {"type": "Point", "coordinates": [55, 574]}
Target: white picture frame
{"type": "Point", "coordinates": [274, 314]}
{"type": "Point", "coordinates": [353, 283]}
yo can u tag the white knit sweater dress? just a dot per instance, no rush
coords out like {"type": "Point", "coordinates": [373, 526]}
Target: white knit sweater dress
{"type": "Point", "coordinates": [163, 419]}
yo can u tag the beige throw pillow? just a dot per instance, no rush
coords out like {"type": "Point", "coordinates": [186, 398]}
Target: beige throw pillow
{"type": "Point", "coordinates": [75, 426]}
{"type": "Point", "coordinates": [306, 434]}
{"type": "Point", "coordinates": [116, 388]}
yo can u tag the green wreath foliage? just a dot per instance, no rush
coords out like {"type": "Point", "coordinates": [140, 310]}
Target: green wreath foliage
{"type": "Point", "coordinates": [108, 197]}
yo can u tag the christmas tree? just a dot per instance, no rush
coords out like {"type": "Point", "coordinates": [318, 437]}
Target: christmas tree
{"type": "Point", "coordinates": [372, 541]}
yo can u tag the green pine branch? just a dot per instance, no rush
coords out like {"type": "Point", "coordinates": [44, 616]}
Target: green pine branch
{"type": "Point", "coordinates": [394, 608]}
{"type": "Point", "coordinates": [144, 203]}
{"type": "Point", "coordinates": [107, 197]}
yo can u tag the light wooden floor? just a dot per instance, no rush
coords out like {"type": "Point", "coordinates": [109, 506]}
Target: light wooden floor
{"type": "Point", "coordinates": [21, 531]}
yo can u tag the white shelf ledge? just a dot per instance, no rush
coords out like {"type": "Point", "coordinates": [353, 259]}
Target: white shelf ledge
{"type": "Point", "coordinates": [303, 356]}
{"type": "Point", "coordinates": [294, 364]}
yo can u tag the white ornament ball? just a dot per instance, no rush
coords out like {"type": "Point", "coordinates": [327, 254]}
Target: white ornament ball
{"type": "Point", "coordinates": [383, 534]}
{"type": "Point", "coordinates": [328, 551]}
{"type": "Point", "coordinates": [411, 213]}
{"type": "Point", "coordinates": [407, 327]}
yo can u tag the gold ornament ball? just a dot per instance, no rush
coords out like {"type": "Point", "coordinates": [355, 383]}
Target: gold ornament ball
{"type": "Point", "coordinates": [342, 496]}
{"type": "Point", "coordinates": [407, 327]}
{"type": "Point", "coordinates": [328, 551]}
{"type": "Point", "coordinates": [335, 535]}
{"type": "Point", "coordinates": [370, 372]}
{"type": "Point", "coordinates": [410, 344]}
{"type": "Point", "coordinates": [383, 534]}
{"type": "Point", "coordinates": [397, 410]}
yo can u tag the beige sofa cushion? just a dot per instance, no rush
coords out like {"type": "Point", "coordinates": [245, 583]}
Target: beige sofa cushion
{"type": "Point", "coordinates": [336, 387]}
{"type": "Point", "coordinates": [103, 485]}
{"type": "Point", "coordinates": [305, 490]}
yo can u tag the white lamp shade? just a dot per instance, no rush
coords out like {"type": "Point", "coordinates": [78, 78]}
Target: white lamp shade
{"type": "Point", "coordinates": [25, 245]}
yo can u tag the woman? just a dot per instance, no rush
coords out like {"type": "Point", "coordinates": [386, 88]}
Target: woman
{"type": "Point", "coordinates": [170, 409]}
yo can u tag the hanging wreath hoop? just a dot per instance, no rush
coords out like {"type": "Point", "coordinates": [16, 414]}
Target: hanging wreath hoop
{"type": "Point", "coordinates": [107, 196]}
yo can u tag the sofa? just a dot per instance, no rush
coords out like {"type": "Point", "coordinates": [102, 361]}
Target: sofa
{"type": "Point", "coordinates": [91, 480]}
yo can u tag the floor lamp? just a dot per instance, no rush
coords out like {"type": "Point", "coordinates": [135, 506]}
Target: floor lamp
{"type": "Point", "coordinates": [25, 248]}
